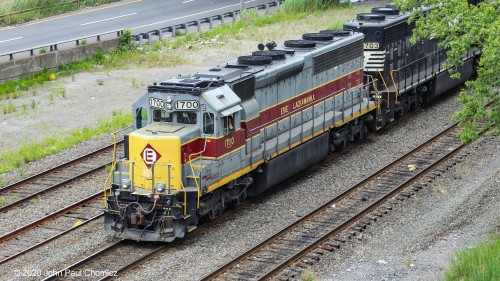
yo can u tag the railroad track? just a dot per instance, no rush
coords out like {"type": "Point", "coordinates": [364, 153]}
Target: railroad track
{"type": "Point", "coordinates": [60, 222]}
{"type": "Point", "coordinates": [109, 261]}
{"type": "Point", "coordinates": [52, 179]}
{"type": "Point", "coordinates": [285, 254]}
{"type": "Point", "coordinates": [40, 232]}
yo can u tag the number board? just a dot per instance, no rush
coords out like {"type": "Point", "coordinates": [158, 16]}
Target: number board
{"type": "Point", "coordinates": [187, 105]}
{"type": "Point", "coordinates": [157, 103]}
{"type": "Point", "coordinates": [371, 46]}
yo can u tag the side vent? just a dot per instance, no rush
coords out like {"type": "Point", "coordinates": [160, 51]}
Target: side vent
{"type": "Point", "coordinates": [370, 17]}
{"type": "Point", "coordinates": [255, 60]}
{"type": "Point", "coordinates": [318, 36]}
{"type": "Point", "coordinates": [300, 44]}
{"type": "Point", "coordinates": [275, 55]}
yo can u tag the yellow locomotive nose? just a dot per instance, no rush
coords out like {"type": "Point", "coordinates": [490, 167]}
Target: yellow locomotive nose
{"type": "Point", "coordinates": [156, 161]}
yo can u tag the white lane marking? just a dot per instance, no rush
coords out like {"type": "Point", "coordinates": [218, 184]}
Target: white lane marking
{"type": "Point", "coordinates": [11, 39]}
{"type": "Point", "coordinates": [184, 2]}
{"type": "Point", "coordinates": [92, 22]}
{"type": "Point", "coordinates": [146, 25]}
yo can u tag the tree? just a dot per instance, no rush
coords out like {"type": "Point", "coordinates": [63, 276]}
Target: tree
{"type": "Point", "coordinates": [462, 26]}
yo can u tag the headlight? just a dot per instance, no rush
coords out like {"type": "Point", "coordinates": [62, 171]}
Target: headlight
{"type": "Point", "coordinates": [160, 186]}
{"type": "Point", "coordinates": [125, 183]}
{"type": "Point", "coordinates": [168, 100]}
{"type": "Point", "coordinates": [168, 106]}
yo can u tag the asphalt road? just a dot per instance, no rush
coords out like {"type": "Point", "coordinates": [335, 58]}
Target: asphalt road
{"type": "Point", "coordinates": [137, 15]}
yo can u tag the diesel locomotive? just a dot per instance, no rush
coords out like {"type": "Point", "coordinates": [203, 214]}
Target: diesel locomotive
{"type": "Point", "coordinates": [203, 143]}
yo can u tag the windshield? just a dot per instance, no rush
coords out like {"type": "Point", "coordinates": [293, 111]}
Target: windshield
{"type": "Point", "coordinates": [160, 115]}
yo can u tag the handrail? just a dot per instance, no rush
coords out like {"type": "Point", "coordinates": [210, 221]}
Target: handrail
{"type": "Point", "coordinates": [378, 97]}
{"type": "Point", "coordinates": [394, 82]}
{"type": "Point", "coordinates": [113, 163]}
{"type": "Point", "coordinates": [387, 88]}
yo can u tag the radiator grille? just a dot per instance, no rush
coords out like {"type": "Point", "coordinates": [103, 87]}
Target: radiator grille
{"type": "Point", "coordinates": [338, 56]}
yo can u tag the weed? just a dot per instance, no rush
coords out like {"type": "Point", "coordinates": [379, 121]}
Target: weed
{"type": "Point", "coordinates": [34, 92]}
{"type": "Point", "coordinates": [60, 92]}
{"type": "Point", "coordinates": [156, 46]}
{"type": "Point", "coordinates": [3, 201]}
{"type": "Point", "coordinates": [100, 82]}
{"type": "Point", "coordinates": [409, 262]}
{"type": "Point", "coordinates": [24, 106]}
{"type": "Point", "coordinates": [126, 42]}
{"type": "Point", "coordinates": [51, 99]}
{"type": "Point", "coordinates": [42, 51]}
{"type": "Point", "coordinates": [99, 56]}
{"type": "Point", "coordinates": [439, 188]}
{"type": "Point", "coordinates": [73, 78]}
{"type": "Point", "coordinates": [35, 201]}
{"type": "Point", "coordinates": [33, 104]}
{"type": "Point", "coordinates": [83, 42]}
{"type": "Point", "coordinates": [134, 83]}
{"type": "Point", "coordinates": [9, 108]}
{"type": "Point", "coordinates": [307, 275]}
{"type": "Point", "coordinates": [15, 95]}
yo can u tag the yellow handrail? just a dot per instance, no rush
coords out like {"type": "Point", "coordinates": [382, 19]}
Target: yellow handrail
{"type": "Point", "coordinates": [387, 88]}
{"type": "Point", "coordinates": [185, 196]}
{"type": "Point", "coordinates": [378, 97]}
{"type": "Point", "coordinates": [394, 82]}
{"type": "Point", "coordinates": [192, 169]}
{"type": "Point", "coordinates": [113, 163]}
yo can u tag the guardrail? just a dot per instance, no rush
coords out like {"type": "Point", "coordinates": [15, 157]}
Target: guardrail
{"type": "Point", "coordinates": [140, 37]}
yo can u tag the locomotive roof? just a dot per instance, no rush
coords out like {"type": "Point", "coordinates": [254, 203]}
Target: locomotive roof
{"type": "Point", "coordinates": [382, 17]}
{"type": "Point", "coordinates": [286, 60]}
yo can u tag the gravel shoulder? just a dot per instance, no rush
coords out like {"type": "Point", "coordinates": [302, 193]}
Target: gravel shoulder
{"type": "Point", "coordinates": [461, 206]}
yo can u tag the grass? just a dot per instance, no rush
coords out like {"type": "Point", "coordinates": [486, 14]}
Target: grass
{"type": "Point", "coordinates": [3, 201]}
{"type": "Point", "coordinates": [307, 275]}
{"type": "Point", "coordinates": [481, 262]}
{"type": "Point", "coordinates": [19, 11]}
{"type": "Point", "coordinates": [33, 150]}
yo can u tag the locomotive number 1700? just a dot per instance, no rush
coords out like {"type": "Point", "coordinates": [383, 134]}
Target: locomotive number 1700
{"type": "Point", "coordinates": [187, 104]}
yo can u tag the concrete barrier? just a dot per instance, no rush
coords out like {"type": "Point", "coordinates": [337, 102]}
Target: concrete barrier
{"type": "Point", "coordinates": [16, 68]}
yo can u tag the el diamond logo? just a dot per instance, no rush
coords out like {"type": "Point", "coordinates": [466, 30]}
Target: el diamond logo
{"type": "Point", "coordinates": [149, 155]}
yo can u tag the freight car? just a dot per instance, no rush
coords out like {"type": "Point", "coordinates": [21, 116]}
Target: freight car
{"type": "Point", "coordinates": [204, 143]}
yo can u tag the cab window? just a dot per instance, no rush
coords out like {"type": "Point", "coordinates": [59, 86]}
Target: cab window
{"type": "Point", "coordinates": [160, 115]}
{"type": "Point", "coordinates": [228, 123]}
{"type": "Point", "coordinates": [208, 123]}
{"type": "Point", "coordinates": [186, 117]}
{"type": "Point", "coordinates": [141, 117]}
